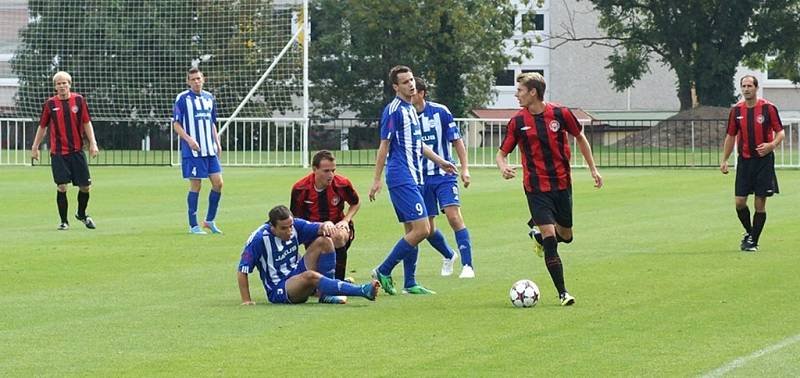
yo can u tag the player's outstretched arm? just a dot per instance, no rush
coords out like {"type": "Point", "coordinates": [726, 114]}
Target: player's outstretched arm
{"type": "Point", "coordinates": [244, 289]}
{"type": "Point", "coordinates": [446, 165]}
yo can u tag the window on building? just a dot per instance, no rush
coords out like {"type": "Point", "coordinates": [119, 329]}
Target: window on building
{"type": "Point", "coordinates": [504, 78]}
{"type": "Point", "coordinates": [532, 22]}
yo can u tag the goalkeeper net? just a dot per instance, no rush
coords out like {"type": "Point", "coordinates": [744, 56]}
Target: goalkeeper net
{"type": "Point", "coordinates": [129, 58]}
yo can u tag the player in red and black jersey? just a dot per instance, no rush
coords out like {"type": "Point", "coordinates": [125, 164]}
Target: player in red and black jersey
{"type": "Point", "coordinates": [321, 196]}
{"type": "Point", "coordinates": [757, 126]}
{"type": "Point", "coordinates": [67, 116]}
{"type": "Point", "coordinates": [540, 130]}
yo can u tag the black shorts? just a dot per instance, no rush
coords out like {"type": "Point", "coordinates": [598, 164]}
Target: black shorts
{"type": "Point", "coordinates": [70, 168]}
{"type": "Point", "coordinates": [551, 207]}
{"type": "Point", "coordinates": [756, 176]}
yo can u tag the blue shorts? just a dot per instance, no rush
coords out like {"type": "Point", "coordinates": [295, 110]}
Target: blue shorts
{"type": "Point", "coordinates": [440, 192]}
{"type": "Point", "coordinates": [279, 294]}
{"type": "Point", "coordinates": [408, 203]}
{"type": "Point", "coordinates": [200, 167]}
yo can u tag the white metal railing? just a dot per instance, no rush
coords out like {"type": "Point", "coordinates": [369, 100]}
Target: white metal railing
{"type": "Point", "coordinates": [281, 142]}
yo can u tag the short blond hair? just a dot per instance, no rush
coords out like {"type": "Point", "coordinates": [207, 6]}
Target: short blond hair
{"type": "Point", "coordinates": [533, 80]}
{"type": "Point", "coordinates": [62, 74]}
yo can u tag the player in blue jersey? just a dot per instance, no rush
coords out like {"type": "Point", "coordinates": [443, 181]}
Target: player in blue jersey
{"type": "Point", "coordinates": [194, 119]}
{"type": "Point", "coordinates": [440, 191]}
{"type": "Point", "coordinates": [400, 151]}
{"type": "Point", "coordinates": [287, 277]}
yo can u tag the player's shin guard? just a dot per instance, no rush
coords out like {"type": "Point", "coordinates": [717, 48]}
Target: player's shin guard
{"type": "Point", "coordinates": [744, 218]}
{"type": "Point", "coordinates": [213, 204]}
{"type": "Point", "coordinates": [341, 263]}
{"type": "Point", "coordinates": [83, 202]}
{"type": "Point", "coordinates": [439, 243]}
{"type": "Point", "coordinates": [191, 201]}
{"type": "Point", "coordinates": [553, 263]}
{"type": "Point", "coordinates": [464, 246]}
{"type": "Point", "coordinates": [759, 219]}
{"type": "Point", "coordinates": [326, 265]}
{"type": "Point", "coordinates": [61, 202]}
{"type": "Point", "coordinates": [410, 268]}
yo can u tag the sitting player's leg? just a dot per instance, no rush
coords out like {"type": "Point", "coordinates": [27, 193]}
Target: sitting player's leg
{"type": "Point", "coordinates": [302, 285]}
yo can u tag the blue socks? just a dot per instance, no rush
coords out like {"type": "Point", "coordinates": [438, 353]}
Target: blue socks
{"type": "Point", "coordinates": [410, 268]}
{"type": "Point", "coordinates": [438, 242]}
{"type": "Point", "coordinates": [191, 200]}
{"type": "Point", "coordinates": [329, 286]}
{"type": "Point", "coordinates": [326, 265]}
{"type": "Point", "coordinates": [398, 253]}
{"type": "Point", "coordinates": [464, 246]}
{"type": "Point", "coordinates": [213, 203]}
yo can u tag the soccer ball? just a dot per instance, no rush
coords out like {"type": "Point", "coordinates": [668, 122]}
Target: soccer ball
{"type": "Point", "coordinates": [524, 293]}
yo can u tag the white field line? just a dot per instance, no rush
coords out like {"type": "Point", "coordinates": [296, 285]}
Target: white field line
{"type": "Point", "coordinates": [741, 361]}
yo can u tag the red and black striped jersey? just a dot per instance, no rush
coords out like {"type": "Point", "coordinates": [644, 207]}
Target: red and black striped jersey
{"type": "Point", "coordinates": [65, 119]}
{"type": "Point", "coordinates": [325, 205]}
{"type": "Point", "coordinates": [753, 126]}
{"type": "Point", "coordinates": [544, 146]}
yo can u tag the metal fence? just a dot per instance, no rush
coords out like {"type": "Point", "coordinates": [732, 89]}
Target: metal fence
{"type": "Point", "coordinates": [280, 142]}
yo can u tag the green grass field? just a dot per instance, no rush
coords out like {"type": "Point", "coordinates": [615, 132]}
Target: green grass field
{"type": "Point", "coordinates": [661, 287]}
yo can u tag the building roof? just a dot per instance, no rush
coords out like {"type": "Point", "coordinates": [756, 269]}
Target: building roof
{"type": "Point", "coordinates": [506, 114]}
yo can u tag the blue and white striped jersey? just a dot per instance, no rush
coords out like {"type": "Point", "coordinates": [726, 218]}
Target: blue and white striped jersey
{"type": "Point", "coordinates": [197, 114]}
{"type": "Point", "coordinates": [439, 130]}
{"type": "Point", "coordinates": [273, 257]}
{"type": "Point", "coordinates": [400, 126]}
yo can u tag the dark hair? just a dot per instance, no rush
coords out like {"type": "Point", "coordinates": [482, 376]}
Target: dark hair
{"type": "Point", "coordinates": [755, 80]}
{"type": "Point", "coordinates": [279, 213]}
{"type": "Point", "coordinates": [396, 70]}
{"type": "Point", "coordinates": [533, 80]}
{"type": "Point", "coordinates": [192, 71]}
{"type": "Point", "coordinates": [320, 156]}
{"type": "Point", "coordinates": [421, 84]}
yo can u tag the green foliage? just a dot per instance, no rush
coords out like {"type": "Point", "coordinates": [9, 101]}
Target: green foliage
{"type": "Point", "coordinates": [129, 58]}
{"type": "Point", "coordinates": [660, 284]}
{"type": "Point", "coordinates": [457, 46]}
{"type": "Point", "coordinates": [702, 41]}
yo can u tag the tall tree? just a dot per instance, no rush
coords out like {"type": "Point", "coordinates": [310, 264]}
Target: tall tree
{"type": "Point", "coordinates": [457, 45]}
{"type": "Point", "coordinates": [703, 41]}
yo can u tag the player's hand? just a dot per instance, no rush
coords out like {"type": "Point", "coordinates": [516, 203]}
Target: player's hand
{"type": "Point", "coordinates": [448, 166]}
{"type": "Point", "coordinates": [93, 150]}
{"type": "Point", "coordinates": [598, 180]}
{"type": "Point", "coordinates": [248, 303]}
{"type": "Point", "coordinates": [723, 167]}
{"type": "Point", "coordinates": [374, 190]}
{"type": "Point", "coordinates": [465, 178]}
{"type": "Point", "coordinates": [343, 225]}
{"type": "Point", "coordinates": [764, 149]}
{"type": "Point", "coordinates": [35, 154]}
{"type": "Point", "coordinates": [193, 145]}
{"type": "Point", "coordinates": [327, 228]}
{"type": "Point", "coordinates": [508, 172]}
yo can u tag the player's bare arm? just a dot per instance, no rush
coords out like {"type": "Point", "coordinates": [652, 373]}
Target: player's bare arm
{"type": "Point", "coordinates": [182, 133]}
{"type": "Point", "coordinates": [37, 140]}
{"type": "Point", "coordinates": [244, 289]}
{"type": "Point", "coordinates": [506, 170]}
{"type": "Point", "coordinates": [586, 151]}
{"type": "Point", "coordinates": [444, 164]}
{"type": "Point", "coordinates": [380, 162]}
{"type": "Point", "coordinates": [727, 149]}
{"type": "Point", "coordinates": [461, 151]}
{"type": "Point", "coordinates": [89, 129]}
{"type": "Point", "coordinates": [764, 149]}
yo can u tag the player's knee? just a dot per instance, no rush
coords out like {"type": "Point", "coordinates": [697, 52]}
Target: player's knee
{"type": "Point", "coordinates": [340, 238]}
{"type": "Point", "coordinates": [62, 188]}
{"type": "Point", "coordinates": [85, 189]}
{"type": "Point", "coordinates": [324, 243]}
{"type": "Point", "coordinates": [310, 276]}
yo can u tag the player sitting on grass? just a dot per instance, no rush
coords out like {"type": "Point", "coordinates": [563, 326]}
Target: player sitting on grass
{"type": "Point", "coordinates": [287, 277]}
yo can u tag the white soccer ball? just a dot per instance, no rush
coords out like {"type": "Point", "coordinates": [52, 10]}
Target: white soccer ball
{"type": "Point", "coordinates": [524, 293]}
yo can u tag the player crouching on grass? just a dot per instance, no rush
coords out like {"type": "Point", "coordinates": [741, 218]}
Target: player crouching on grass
{"type": "Point", "coordinates": [289, 278]}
